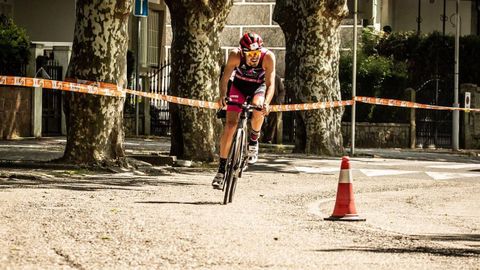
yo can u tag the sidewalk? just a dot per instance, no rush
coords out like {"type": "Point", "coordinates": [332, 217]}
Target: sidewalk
{"type": "Point", "coordinates": [48, 148]}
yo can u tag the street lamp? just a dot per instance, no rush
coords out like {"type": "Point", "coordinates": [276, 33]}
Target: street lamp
{"type": "Point", "coordinates": [444, 16]}
{"type": "Point", "coordinates": [140, 11]}
{"type": "Point", "coordinates": [354, 75]}
{"type": "Point", "coordinates": [456, 113]}
{"type": "Point", "coordinates": [419, 17]}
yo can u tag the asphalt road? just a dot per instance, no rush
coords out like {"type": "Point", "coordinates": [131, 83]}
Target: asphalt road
{"type": "Point", "coordinates": [421, 213]}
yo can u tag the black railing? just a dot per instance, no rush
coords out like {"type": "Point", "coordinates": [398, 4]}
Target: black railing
{"type": "Point", "coordinates": [434, 128]}
{"type": "Point", "coordinates": [159, 82]}
{"type": "Point", "coordinates": [51, 100]}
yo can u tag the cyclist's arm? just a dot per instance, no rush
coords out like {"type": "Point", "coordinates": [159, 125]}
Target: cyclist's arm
{"type": "Point", "coordinates": [269, 66]}
{"type": "Point", "coordinates": [232, 62]}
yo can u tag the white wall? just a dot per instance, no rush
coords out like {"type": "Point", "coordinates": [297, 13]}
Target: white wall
{"type": "Point", "coordinates": [386, 11]}
{"type": "Point", "coordinates": [405, 16]}
{"type": "Point", "coordinates": [46, 20]}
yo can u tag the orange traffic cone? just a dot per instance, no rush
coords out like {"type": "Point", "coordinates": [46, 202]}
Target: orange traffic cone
{"type": "Point", "coordinates": [345, 204]}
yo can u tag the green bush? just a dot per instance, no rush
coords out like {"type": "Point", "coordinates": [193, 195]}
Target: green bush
{"type": "Point", "coordinates": [369, 41]}
{"type": "Point", "coordinates": [432, 54]}
{"type": "Point", "coordinates": [14, 47]}
{"type": "Point", "coordinates": [470, 59]}
{"type": "Point", "coordinates": [388, 64]}
{"type": "Point", "coordinates": [398, 45]}
{"type": "Point", "coordinates": [377, 76]}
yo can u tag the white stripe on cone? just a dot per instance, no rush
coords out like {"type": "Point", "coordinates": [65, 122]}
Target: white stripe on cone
{"type": "Point", "coordinates": [345, 176]}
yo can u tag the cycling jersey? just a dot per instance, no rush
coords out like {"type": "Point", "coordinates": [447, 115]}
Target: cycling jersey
{"type": "Point", "coordinates": [248, 78]}
{"type": "Point", "coordinates": [247, 81]}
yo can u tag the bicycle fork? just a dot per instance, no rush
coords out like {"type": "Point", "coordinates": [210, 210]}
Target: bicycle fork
{"type": "Point", "coordinates": [243, 147]}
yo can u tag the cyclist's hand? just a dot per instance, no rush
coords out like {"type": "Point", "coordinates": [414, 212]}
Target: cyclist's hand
{"type": "Point", "coordinates": [222, 102]}
{"type": "Point", "coordinates": [266, 109]}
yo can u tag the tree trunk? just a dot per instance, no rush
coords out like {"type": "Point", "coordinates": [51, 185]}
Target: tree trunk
{"type": "Point", "coordinates": [95, 123]}
{"type": "Point", "coordinates": [196, 57]}
{"type": "Point", "coordinates": [312, 33]}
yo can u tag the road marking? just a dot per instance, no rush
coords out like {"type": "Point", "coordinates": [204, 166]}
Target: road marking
{"type": "Point", "coordinates": [455, 166]}
{"type": "Point", "coordinates": [372, 172]}
{"type": "Point", "coordinates": [314, 207]}
{"type": "Point", "coordinates": [283, 160]}
{"type": "Point", "coordinates": [317, 170]}
{"type": "Point", "coordinates": [445, 176]}
{"type": "Point", "coordinates": [386, 163]}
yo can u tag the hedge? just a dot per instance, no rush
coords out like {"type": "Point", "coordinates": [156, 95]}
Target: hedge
{"type": "Point", "coordinates": [14, 47]}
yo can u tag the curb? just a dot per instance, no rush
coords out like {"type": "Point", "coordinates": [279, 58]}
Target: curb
{"type": "Point", "coordinates": [155, 160]}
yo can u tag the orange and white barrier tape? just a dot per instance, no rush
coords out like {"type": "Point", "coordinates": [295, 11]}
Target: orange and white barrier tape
{"type": "Point", "coordinates": [108, 89]}
{"type": "Point", "coordinates": [170, 99]}
{"type": "Point", "coordinates": [409, 104]}
{"type": "Point", "coordinates": [214, 105]}
{"type": "Point", "coordinates": [310, 106]}
{"type": "Point", "coordinates": [61, 85]}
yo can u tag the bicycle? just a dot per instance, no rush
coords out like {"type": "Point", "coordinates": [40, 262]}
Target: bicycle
{"type": "Point", "coordinates": [238, 154]}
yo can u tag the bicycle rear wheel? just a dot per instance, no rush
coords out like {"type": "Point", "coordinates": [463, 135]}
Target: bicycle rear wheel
{"type": "Point", "coordinates": [232, 168]}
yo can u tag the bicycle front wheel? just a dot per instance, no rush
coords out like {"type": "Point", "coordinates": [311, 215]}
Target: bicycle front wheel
{"type": "Point", "coordinates": [233, 162]}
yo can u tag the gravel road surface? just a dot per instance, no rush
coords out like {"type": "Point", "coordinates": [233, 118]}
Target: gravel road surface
{"type": "Point", "coordinates": [421, 214]}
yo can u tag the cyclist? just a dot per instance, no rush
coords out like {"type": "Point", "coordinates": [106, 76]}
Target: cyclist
{"type": "Point", "coordinates": [253, 70]}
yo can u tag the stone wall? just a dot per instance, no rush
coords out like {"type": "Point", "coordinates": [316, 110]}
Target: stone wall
{"type": "Point", "coordinates": [257, 16]}
{"type": "Point", "coordinates": [377, 135]}
{"type": "Point", "coordinates": [15, 112]}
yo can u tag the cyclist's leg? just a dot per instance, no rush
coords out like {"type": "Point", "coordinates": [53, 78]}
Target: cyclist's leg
{"type": "Point", "coordinates": [256, 124]}
{"type": "Point", "coordinates": [233, 113]}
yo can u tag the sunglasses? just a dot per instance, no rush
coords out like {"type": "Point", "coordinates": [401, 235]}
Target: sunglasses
{"type": "Point", "coordinates": [256, 53]}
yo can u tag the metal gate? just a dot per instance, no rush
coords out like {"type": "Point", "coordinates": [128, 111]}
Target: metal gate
{"type": "Point", "coordinates": [52, 102]}
{"type": "Point", "coordinates": [159, 81]}
{"type": "Point", "coordinates": [289, 124]}
{"type": "Point", "coordinates": [434, 128]}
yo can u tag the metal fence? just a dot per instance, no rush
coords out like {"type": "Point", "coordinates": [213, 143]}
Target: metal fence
{"type": "Point", "coordinates": [159, 82]}
{"type": "Point", "coordinates": [434, 128]}
{"type": "Point", "coordinates": [51, 99]}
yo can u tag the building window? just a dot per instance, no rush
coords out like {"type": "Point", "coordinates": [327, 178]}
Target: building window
{"type": "Point", "coordinates": [153, 52]}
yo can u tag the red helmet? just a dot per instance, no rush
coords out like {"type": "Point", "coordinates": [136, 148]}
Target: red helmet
{"type": "Point", "coordinates": [251, 42]}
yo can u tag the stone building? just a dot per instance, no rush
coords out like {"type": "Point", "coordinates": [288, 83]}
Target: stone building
{"type": "Point", "coordinates": [245, 16]}
{"type": "Point", "coordinates": [256, 16]}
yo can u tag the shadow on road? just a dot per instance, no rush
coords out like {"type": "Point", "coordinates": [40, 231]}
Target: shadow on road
{"type": "Point", "coordinates": [90, 184]}
{"type": "Point", "coordinates": [174, 202]}
{"type": "Point", "coordinates": [449, 252]}
{"type": "Point", "coordinates": [451, 237]}
{"type": "Point", "coordinates": [272, 164]}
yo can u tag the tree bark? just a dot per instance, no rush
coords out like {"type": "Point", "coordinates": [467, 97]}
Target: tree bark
{"type": "Point", "coordinates": [95, 123]}
{"type": "Point", "coordinates": [312, 33]}
{"type": "Point", "coordinates": [196, 57]}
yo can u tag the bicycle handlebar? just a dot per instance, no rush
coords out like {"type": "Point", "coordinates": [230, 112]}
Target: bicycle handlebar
{"type": "Point", "coordinates": [244, 105]}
